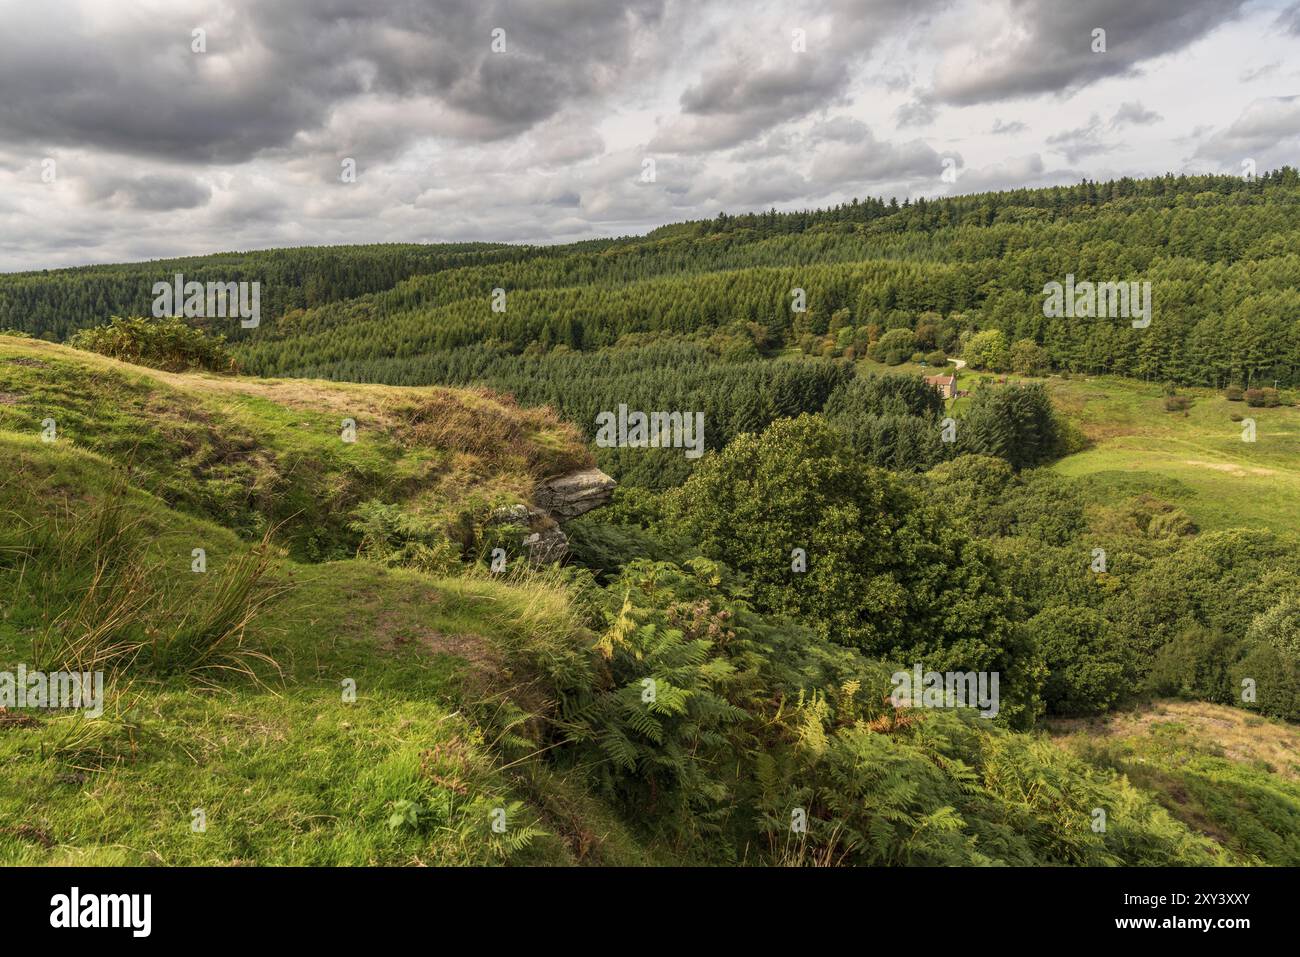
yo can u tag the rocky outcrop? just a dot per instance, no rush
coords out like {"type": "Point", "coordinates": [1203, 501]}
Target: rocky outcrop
{"type": "Point", "coordinates": [567, 496]}
{"type": "Point", "coordinates": [558, 500]}
{"type": "Point", "coordinates": [547, 546]}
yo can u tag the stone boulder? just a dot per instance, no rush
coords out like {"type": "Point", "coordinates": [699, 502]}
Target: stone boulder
{"type": "Point", "coordinates": [558, 500]}
{"type": "Point", "coordinates": [567, 496]}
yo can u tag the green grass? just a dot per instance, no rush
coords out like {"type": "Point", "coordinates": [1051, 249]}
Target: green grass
{"type": "Point", "coordinates": [284, 768]}
{"type": "Point", "coordinates": [453, 676]}
{"type": "Point", "coordinates": [251, 454]}
{"type": "Point", "coordinates": [1198, 460]}
{"type": "Point", "coordinates": [447, 671]}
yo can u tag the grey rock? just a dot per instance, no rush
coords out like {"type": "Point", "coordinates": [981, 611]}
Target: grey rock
{"type": "Point", "coordinates": [512, 515]}
{"type": "Point", "coordinates": [567, 496]}
{"type": "Point", "coordinates": [558, 500]}
{"type": "Point", "coordinates": [548, 545]}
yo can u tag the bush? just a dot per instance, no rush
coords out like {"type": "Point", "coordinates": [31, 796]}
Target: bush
{"type": "Point", "coordinates": [1275, 677]}
{"type": "Point", "coordinates": [1266, 398]}
{"type": "Point", "coordinates": [936, 358]}
{"type": "Point", "coordinates": [164, 343]}
{"type": "Point", "coordinates": [1233, 393]}
{"type": "Point", "coordinates": [1029, 358]}
{"type": "Point", "coordinates": [1086, 667]}
{"type": "Point", "coordinates": [1177, 403]}
{"type": "Point", "coordinates": [392, 536]}
{"type": "Point", "coordinates": [1272, 660]}
{"type": "Point", "coordinates": [894, 347]}
{"type": "Point", "coordinates": [1196, 665]}
{"type": "Point", "coordinates": [988, 350]}
{"type": "Point", "coordinates": [1279, 627]}
{"type": "Point", "coordinates": [1173, 523]}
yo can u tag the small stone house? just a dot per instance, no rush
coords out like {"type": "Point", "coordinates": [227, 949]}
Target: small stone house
{"type": "Point", "coordinates": [946, 384]}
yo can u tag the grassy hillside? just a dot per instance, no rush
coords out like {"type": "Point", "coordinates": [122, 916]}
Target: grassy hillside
{"type": "Point", "coordinates": [1227, 774]}
{"type": "Point", "coordinates": [255, 453]}
{"type": "Point", "coordinates": [1197, 460]}
{"type": "Point", "coordinates": [283, 768]}
{"type": "Point", "coordinates": [475, 695]}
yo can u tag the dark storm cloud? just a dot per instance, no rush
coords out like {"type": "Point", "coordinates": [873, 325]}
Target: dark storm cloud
{"type": "Point", "coordinates": [153, 192]}
{"type": "Point", "coordinates": [275, 69]}
{"type": "Point", "coordinates": [1052, 50]}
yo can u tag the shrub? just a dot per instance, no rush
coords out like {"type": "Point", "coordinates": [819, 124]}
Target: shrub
{"type": "Point", "coordinates": [1086, 667]}
{"type": "Point", "coordinates": [1263, 398]}
{"type": "Point", "coordinates": [885, 572]}
{"type": "Point", "coordinates": [1233, 393]}
{"type": "Point", "coordinates": [1279, 626]}
{"type": "Point", "coordinates": [1029, 358]}
{"type": "Point", "coordinates": [1196, 665]}
{"type": "Point", "coordinates": [393, 536]}
{"type": "Point", "coordinates": [894, 347]}
{"type": "Point", "coordinates": [988, 350]}
{"type": "Point", "coordinates": [1174, 523]}
{"type": "Point", "coordinates": [1275, 677]}
{"type": "Point", "coordinates": [1177, 403]}
{"type": "Point", "coordinates": [163, 343]}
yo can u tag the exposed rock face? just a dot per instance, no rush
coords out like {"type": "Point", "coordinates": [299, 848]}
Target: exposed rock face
{"type": "Point", "coordinates": [558, 500]}
{"type": "Point", "coordinates": [568, 496]}
{"type": "Point", "coordinates": [547, 546]}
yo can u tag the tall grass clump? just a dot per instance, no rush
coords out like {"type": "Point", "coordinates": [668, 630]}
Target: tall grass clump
{"type": "Point", "coordinates": [104, 602]}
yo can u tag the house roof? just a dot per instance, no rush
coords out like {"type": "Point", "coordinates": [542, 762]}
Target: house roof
{"type": "Point", "coordinates": [941, 379]}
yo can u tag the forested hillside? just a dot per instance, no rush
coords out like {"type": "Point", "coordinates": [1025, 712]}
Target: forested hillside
{"type": "Point", "coordinates": [684, 315]}
{"type": "Point", "coordinates": [1222, 254]}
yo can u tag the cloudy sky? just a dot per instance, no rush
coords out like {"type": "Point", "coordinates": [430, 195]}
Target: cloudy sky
{"type": "Point", "coordinates": [534, 120]}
